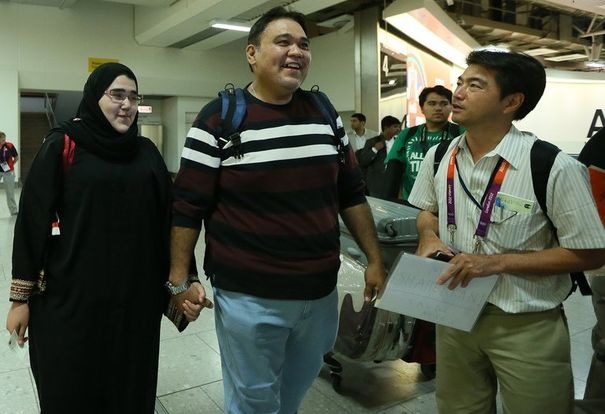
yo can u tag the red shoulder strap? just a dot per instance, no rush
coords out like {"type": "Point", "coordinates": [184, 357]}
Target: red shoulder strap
{"type": "Point", "coordinates": [69, 147]}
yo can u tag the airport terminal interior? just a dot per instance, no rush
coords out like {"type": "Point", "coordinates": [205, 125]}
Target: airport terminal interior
{"type": "Point", "coordinates": [190, 373]}
{"type": "Point", "coordinates": [170, 48]}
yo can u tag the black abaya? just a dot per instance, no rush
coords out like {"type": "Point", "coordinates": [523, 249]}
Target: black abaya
{"type": "Point", "coordinates": [94, 332]}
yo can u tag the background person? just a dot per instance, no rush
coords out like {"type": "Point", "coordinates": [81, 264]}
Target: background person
{"type": "Point", "coordinates": [359, 134]}
{"type": "Point", "coordinates": [371, 157]}
{"type": "Point", "coordinates": [94, 316]}
{"type": "Point", "coordinates": [593, 156]}
{"type": "Point", "coordinates": [410, 146]}
{"type": "Point", "coordinates": [270, 209]}
{"type": "Point", "coordinates": [8, 158]}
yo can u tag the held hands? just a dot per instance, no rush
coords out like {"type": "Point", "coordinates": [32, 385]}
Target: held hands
{"type": "Point", "coordinates": [18, 320]}
{"type": "Point", "coordinates": [374, 276]}
{"type": "Point", "coordinates": [192, 301]}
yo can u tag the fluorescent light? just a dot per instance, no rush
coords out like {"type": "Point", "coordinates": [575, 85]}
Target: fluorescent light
{"type": "Point", "coordinates": [145, 109]}
{"type": "Point", "coordinates": [595, 64]}
{"type": "Point", "coordinates": [230, 25]}
{"type": "Point", "coordinates": [573, 56]}
{"type": "Point", "coordinates": [427, 23]}
{"type": "Point", "coordinates": [539, 51]}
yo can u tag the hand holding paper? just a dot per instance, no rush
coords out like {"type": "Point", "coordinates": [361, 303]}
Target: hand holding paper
{"type": "Point", "coordinates": [464, 268]}
{"type": "Point", "coordinates": [412, 290]}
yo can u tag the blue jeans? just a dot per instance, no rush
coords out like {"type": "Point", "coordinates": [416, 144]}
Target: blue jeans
{"type": "Point", "coordinates": [271, 350]}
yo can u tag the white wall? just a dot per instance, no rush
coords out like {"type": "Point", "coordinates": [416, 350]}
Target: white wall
{"type": "Point", "coordinates": [50, 48]}
{"type": "Point", "coordinates": [47, 49]}
{"type": "Point", "coordinates": [394, 105]}
{"type": "Point", "coordinates": [564, 114]}
{"type": "Point", "coordinates": [176, 124]}
{"type": "Point", "coordinates": [332, 68]}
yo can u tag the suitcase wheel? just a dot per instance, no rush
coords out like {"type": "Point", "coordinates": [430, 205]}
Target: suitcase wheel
{"type": "Point", "coordinates": [336, 381]}
{"type": "Point", "coordinates": [428, 370]}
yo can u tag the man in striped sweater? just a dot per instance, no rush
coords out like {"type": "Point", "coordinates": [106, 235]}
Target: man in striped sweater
{"type": "Point", "coordinates": [270, 204]}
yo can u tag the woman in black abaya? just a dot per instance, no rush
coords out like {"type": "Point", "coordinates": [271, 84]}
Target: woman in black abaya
{"type": "Point", "coordinates": [94, 317]}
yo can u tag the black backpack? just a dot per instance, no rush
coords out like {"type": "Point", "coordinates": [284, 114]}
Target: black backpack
{"type": "Point", "coordinates": [233, 112]}
{"type": "Point", "coordinates": [542, 156]}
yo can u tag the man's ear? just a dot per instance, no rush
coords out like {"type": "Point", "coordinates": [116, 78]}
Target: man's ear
{"type": "Point", "coordinates": [513, 102]}
{"type": "Point", "coordinates": [251, 54]}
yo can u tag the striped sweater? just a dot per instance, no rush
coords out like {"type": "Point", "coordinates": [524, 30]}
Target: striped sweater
{"type": "Point", "coordinates": [271, 217]}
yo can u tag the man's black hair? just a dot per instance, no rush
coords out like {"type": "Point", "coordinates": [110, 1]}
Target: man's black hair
{"type": "Point", "coordinates": [275, 13]}
{"type": "Point", "coordinates": [514, 73]}
{"type": "Point", "coordinates": [438, 89]}
{"type": "Point", "coordinates": [359, 116]}
{"type": "Point", "coordinates": [388, 121]}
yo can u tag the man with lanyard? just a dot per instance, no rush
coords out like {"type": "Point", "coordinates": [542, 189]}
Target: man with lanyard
{"type": "Point", "coordinates": [480, 208]}
{"type": "Point", "coordinates": [8, 158]}
{"type": "Point", "coordinates": [410, 147]}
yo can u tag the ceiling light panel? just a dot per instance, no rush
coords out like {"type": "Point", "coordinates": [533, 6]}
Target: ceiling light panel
{"type": "Point", "coordinates": [563, 58]}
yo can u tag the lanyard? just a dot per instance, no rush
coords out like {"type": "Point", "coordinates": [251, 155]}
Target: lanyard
{"type": "Point", "coordinates": [423, 137]}
{"type": "Point", "coordinates": [487, 202]}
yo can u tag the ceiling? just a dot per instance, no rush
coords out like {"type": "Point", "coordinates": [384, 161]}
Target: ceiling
{"type": "Point", "coordinates": [562, 34]}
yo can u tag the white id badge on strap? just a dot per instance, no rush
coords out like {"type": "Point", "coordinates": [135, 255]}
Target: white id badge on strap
{"type": "Point", "coordinates": [5, 167]}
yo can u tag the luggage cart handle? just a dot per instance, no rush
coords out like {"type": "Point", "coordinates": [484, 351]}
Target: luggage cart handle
{"type": "Point", "coordinates": [354, 253]}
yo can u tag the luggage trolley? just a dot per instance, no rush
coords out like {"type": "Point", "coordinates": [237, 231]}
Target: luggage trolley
{"type": "Point", "coordinates": [366, 333]}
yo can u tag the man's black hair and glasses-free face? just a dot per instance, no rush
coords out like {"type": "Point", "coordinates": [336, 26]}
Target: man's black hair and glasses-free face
{"type": "Point", "coordinates": [279, 54]}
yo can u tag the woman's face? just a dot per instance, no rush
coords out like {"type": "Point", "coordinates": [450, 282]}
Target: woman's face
{"type": "Point", "coordinates": [120, 103]}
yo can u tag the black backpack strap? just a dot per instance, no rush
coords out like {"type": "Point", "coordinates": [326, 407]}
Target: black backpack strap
{"type": "Point", "coordinates": [323, 103]}
{"type": "Point", "coordinates": [454, 131]}
{"type": "Point", "coordinates": [233, 110]}
{"type": "Point", "coordinates": [410, 133]}
{"type": "Point", "coordinates": [578, 281]}
{"type": "Point", "coordinates": [542, 158]}
{"type": "Point", "coordinates": [439, 153]}
{"type": "Point", "coordinates": [393, 174]}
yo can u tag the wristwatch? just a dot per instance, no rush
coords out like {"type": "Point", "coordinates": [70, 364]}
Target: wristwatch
{"type": "Point", "coordinates": [176, 289]}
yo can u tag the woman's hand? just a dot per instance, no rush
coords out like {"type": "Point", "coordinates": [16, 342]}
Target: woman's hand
{"type": "Point", "coordinates": [17, 320]}
{"type": "Point", "coordinates": [192, 301]}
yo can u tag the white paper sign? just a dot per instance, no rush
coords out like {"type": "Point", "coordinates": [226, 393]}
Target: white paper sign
{"type": "Point", "coordinates": [412, 290]}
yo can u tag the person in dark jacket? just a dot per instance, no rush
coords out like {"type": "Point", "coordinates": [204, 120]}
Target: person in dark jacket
{"type": "Point", "coordinates": [371, 157]}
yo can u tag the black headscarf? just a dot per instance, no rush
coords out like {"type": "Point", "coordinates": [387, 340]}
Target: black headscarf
{"type": "Point", "coordinates": [91, 129]}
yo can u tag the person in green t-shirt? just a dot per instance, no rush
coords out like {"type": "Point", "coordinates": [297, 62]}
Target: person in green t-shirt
{"type": "Point", "coordinates": [411, 145]}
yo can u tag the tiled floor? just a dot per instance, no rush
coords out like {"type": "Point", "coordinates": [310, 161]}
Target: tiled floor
{"type": "Point", "coordinates": [190, 375]}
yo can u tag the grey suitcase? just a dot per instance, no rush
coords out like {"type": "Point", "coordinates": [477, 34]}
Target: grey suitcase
{"type": "Point", "coordinates": [366, 333]}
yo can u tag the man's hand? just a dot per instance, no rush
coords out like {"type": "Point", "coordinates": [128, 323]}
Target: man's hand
{"type": "Point", "coordinates": [427, 246]}
{"type": "Point", "coordinates": [429, 242]}
{"type": "Point", "coordinates": [192, 301]}
{"type": "Point", "coordinates": [379, 145]}
{"type": "Point", "coordinates": [374, 276]}
{"type": "Point", "coordinates": [465, 267]}
{"type": "Point", "coordinates": [18, 320]}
